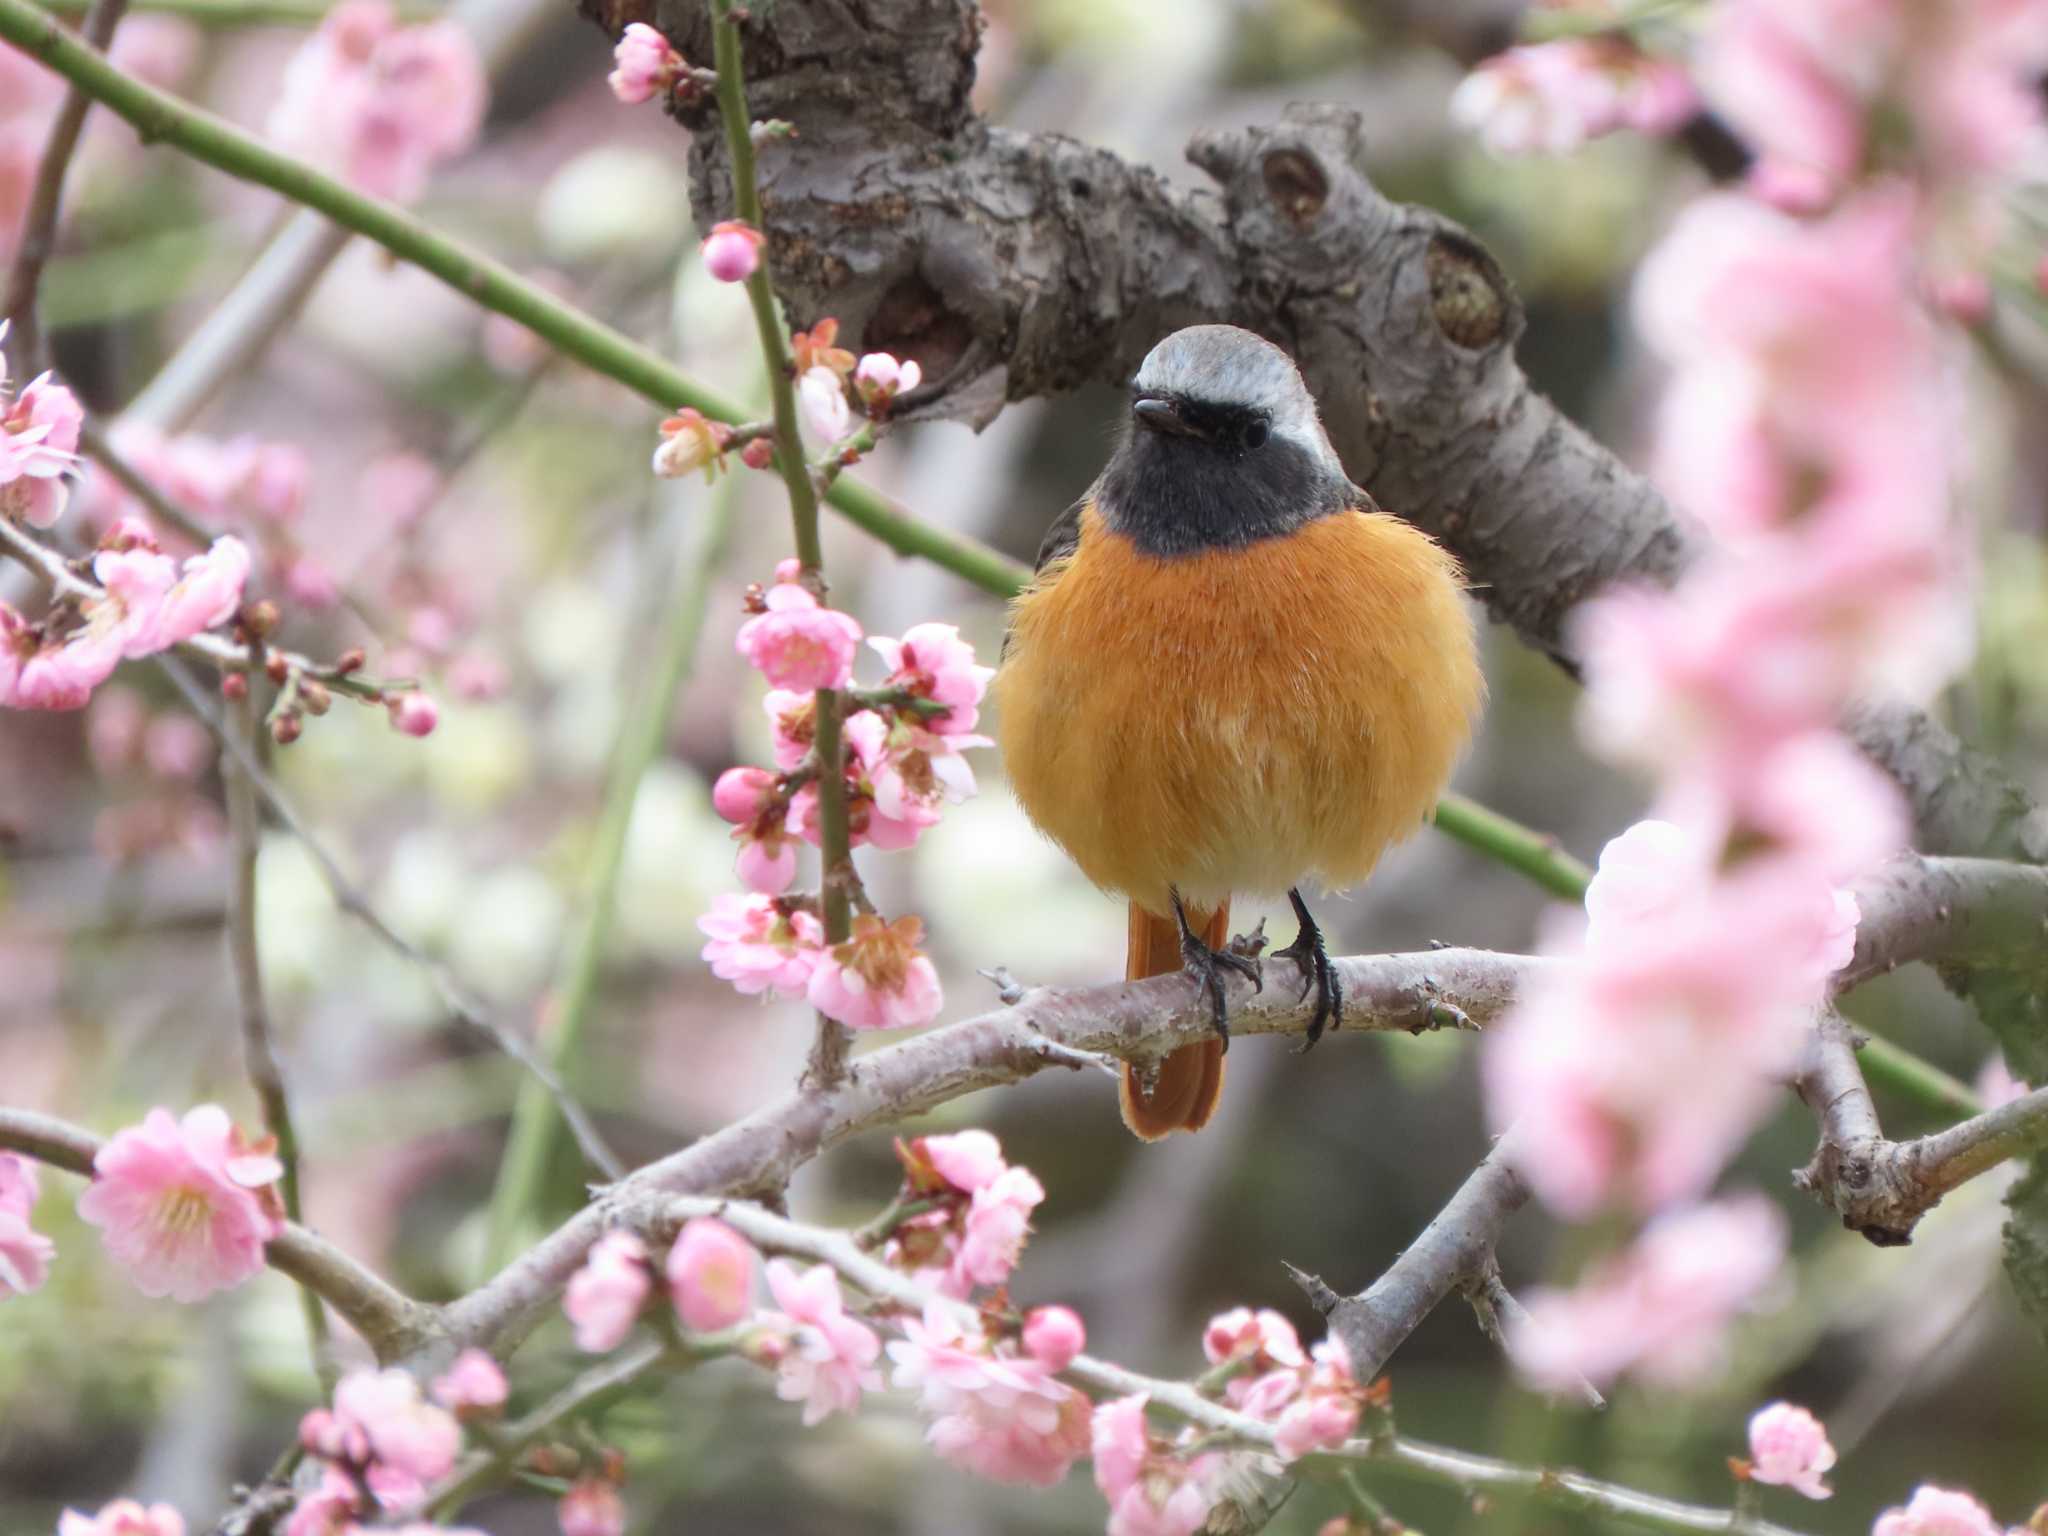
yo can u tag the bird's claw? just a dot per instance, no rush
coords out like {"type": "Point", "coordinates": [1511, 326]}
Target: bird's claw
{"type": "Point", "coordinates": [1309, 953]}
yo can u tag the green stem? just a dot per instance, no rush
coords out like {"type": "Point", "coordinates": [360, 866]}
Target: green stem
{"type": "Point", "coordinates": [1527, 852]}
{"type": "Point", "coordinates": [828, 1058]}
{"type": "Point", "coordinates": [529, 1145]}
{"type": "Point", "coordinates": [162, 118]}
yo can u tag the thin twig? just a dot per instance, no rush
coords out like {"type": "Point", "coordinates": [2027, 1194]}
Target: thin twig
{"type": "Point", "coordinates": [245, 830]}
{"type": "Point", "coordinates": [392, 1323]}
{"type": "Point", "coordinates": [46, 198]}
{"type": "Point", "coordinates": [460, 1003]}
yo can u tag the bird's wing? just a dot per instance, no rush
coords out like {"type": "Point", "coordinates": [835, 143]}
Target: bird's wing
{"type": "Point", "coordinates": [1062, 537]}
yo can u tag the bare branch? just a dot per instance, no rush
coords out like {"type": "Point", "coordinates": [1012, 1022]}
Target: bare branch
{"type": "Point", "coordinates": [1880, 1187]}
{"type": "Point", "coordinates": [392, 1323]}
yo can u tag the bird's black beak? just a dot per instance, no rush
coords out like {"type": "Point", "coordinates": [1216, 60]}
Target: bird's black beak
{"type": "Point", "coordinates": [1160, 413]}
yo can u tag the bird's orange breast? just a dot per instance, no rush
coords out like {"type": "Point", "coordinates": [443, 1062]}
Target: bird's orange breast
{"type": "Point", "coordinates": [1238, 719]}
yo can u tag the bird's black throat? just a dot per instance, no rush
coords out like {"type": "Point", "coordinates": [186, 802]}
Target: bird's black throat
{"type": "Point", "coordinates": [1179, 495]}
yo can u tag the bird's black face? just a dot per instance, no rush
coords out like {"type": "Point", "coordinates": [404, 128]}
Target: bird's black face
{"type": "Point", "coordinates": [1232, 429]}
{"type": "Point", "coordinates": [1199, 474]}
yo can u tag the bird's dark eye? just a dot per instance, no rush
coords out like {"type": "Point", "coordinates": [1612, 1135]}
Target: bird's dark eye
{"type": "Point", "coordinates": [1255, 434]}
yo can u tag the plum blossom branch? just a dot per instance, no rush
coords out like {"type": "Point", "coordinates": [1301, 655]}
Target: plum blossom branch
{"type": "Point", "coordinates": [1414, 1459]}
{"type": "Point", "coordinates": [46, 198]}
{"type": "Point", "coordinates": [1881, 1188]}
{"type": "Point", "coordinates": [391, 1322]}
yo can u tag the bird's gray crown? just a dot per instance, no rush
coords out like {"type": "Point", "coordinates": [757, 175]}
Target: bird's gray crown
{"type": "Point", "coordinates": [1226, 365]}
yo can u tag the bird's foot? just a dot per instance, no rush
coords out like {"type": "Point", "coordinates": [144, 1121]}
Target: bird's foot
{"type": "Point", "coordinates": [1308, 952]}
{"type": "Point", "coordinates": [1207, 965]}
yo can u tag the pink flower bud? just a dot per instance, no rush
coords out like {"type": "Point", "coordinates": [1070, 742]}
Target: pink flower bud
{"type": "Point", "coordinates": [1053, 1336]}
{"type": "Point", "coordinates": [759, 453]}
{"type": "Point", "coordinates": [732, 251]}
{"type": "Point", "coordinates": [741, 794]}
{"type": "Point", "coordinates": [1937, 1512]}
{"type": "Point", "coordinates": [766, 867]}
{"type": "Point", "coordinates": [711, 1275]}
{"type": "Point", "coordinates": [413, 713]}
{"type": "Point", "coordinates": [592, 1507]}
{"type": "Point", "coordinates": [1789, 1446]}
{"type": "Point", "coordinates": [473, 1381]}
{"type": "Point", "coordinates": [647, 65]}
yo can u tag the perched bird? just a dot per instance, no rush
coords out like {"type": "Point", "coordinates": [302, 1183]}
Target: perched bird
{"type": "Point", "coordinates": [1232, 673]}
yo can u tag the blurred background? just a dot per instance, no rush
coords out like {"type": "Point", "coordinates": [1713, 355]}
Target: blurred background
{"type": "Point", "coordinates": [484, 512]}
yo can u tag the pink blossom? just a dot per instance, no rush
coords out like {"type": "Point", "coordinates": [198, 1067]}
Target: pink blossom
{"type": "Point", "coordinates": [797, 644]}
{"type": "Point", "coordinates": [759, 945]}
{"type": "Point", "coordinates": [123, 1517]}
{"type": "Point", "coordinates": [1553, 97]}
{"type": "Point", "coordinates": [831, 1359]}
{"type": "Point", "coordinates": [823, 398]}
{"type": "Point", "coordinates": [1053, 1336]}
{"type": "Point", "coordinates": [998, 1221]}
{"type": "Point", "coordinates": [1937, 1512]}
{"type": "Point", "coordinates": [751, 799]}
{"type": "Point", "coordinates": [158, 610]}
{"type": "Point", "coordinates": [1150, 1493]}
{"type": "Point", "coordinates": [1264, 1338]}
{"type": "Point", "coordinates": [933, 662]}
{"type": "Point", "coordinates": [967, 1160]}
{"type": "Point", "coordinates": [25, 1254]}
{"type": "Point", "coordinates": [411, 1441]}
{"type": "Point", "coordinates": [878, 979]}
{"type": "Point", "coordinates": [41, 669]}
{"type": "Point", "coordinates": [473, 1381]}
{"type": "Point", "coordinates": [1326, 1412]}
{"type": "Point", "coordinates": [732, 251]}
{"type": "Point", "coordinates": [379, 104]}
{"type": "Point", "coordinates": [1789, 1446]}
{"type": "Point", "coordinates": [691, 441]}
{"type": "Point", "coordinates": [1660, 1309]}
{"type": "Point", "coordinates": [592, 1507]}
{"type": "Point", "coordinates": [185, 1206]}
{"type": "Point", "coordinates": [905, 774]}
{"type": "Point", "coordinates": [711, 1275]}
{"type": "Point", "coordinates": [646, 66]}
{"type": "Point", "coordinates": [878, 378]}
{"type": "Point", "coordinates": [605, 1296]}
{"type": "Point", "coordinates": [413, 713]}
{"type": "Point", "coordinates": [793, 717]}
{"type": "Point", "coordinates": [1793, 82]}
{"type": "Point", "coordinates": [331, 1509]}
{"type": "Point", "coordinates": [999, 1417]}
{"type": "Point", "coordinates": [38, 445]}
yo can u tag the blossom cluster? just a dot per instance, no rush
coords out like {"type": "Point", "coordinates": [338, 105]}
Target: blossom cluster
{"type": "Point", "coordinates": [1807, 425]}
{"type": "Point", "coordinates": [380, 104]}
{"type": "Point", "coordinates": [901, 764]}
{"type": "Point", "coordinates": [1553, 97]}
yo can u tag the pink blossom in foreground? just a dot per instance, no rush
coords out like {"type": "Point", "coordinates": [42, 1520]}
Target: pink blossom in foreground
{"type": "Point", "coordinates": [411, 1441]}
{"type": "Point", "coordinates": [379, 104]}
{"type": "Point", "coordinates": [751, 799]}
{"type": "Point", "coordinates": [25, 1254]}
{"type": "Point", "coordinates": [998, 1221]}
{"type": "Point", "coordinates": [879, 378]}
{"type": "Point", "coordinates": [152, 604]}
{"type": "Point", "coordinates": [1660, 1309]}
{"type": "Point", "coordinates": [797, 644]}
{"type": "Point", "coordinates": [999, 1417]}
{"type": "Point", "coordinates": [413, 713]}
{"type": "Point", "coordinates": [1053, 1336]}
{"type": "Point", "coordinates": [759, 945]}
{"type": "Point", "coordinates": [123, 1517]}
{"type": "Point", "coordinates": [473, 1381]}
{"type": "Point", "coordinates": [831, 1357]}
{"type": "Point", "coordinates": [1150, 1492]}
{"type": "Point", "coordinates": [604, 1297]}
{"type": "Point", "coordinates": [906, 774]}
{"type": "Point", "coordinates": [878, 979]}
{"type": "Point", "coordinates": [331, 1509]}
{"type": "Point", "coordinates": [732, 251]}
{"type": "Point", "coordinates": [1553, 97]}
{"type": "Point", "coordinates": [185, 1206]}
{"type": "Point", "coordinates": [1789, 1446]}
{"type": "Point", "coordinates": [823, 398]}
{"type": "Point", "coordinates": [647, 65]}
{"type": "Point", "coordinates": [1937, 1512]}
{"type": "Point", "coordinates": [42, 669]}
{"type": "Point", "coordinates": [592, 1507]}
{"type": "Point", "coordinates": [967, 1160]}
{"type": "Point", "coordinates": [933, 662]}
{"type": "Point", "coordinates": [38, 445]}
{"type": "Point", "coordinates": [1793, 82]}
{"type": "Point", "coordinates": [711, 1275]}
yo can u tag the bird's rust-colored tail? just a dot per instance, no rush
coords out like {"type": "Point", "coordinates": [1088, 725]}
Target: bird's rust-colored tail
{"type": "Point", "coordinates": [1184, 1088]}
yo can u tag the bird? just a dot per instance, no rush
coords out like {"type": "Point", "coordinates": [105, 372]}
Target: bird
{"type": "Point", "coordinates": [1232, 673]}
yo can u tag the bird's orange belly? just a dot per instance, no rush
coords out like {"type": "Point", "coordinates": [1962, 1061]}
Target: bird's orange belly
{"type": "Point", "coordinates": [1238, 720]}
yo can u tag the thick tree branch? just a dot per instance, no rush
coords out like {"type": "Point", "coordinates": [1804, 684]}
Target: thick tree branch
{"type": "Point", "coordinates": [1880, 1187]}
{"type": "Point", "coordinates": [392, 1323]}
